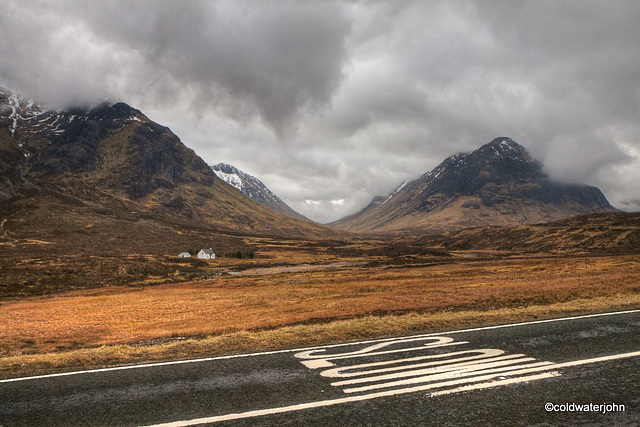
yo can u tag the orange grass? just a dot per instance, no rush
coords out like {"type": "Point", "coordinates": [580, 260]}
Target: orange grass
{"type": "Point", "coordinates": [366, 327]}
{"type": "Point", "coordinates": [126, 315]}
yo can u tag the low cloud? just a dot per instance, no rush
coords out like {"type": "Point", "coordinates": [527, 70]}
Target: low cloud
{"type": "Point", "coordinates": [330, 101]}
{"type": "Point", "coordinates": [272, 60]}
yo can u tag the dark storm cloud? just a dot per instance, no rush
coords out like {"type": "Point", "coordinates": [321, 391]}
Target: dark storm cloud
{"type": "Point", "coordinates": [345, 100]}
{"type": "Point", "coordinates": [559, 77]}
{"type": "Point", "coordinates": [273, 59]}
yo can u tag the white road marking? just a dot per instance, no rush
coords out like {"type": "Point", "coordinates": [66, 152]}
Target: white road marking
{"type": "Point", "coordinates": [496, 383]}
{"type": "Point", "coordinates": [316, 364]}
{"type": "Point", "coordinates": [369, 350]}
{"type": "Point", "coordinates": [439, 370]}
{"type": "Point", "coordinates": [485, 374]}
{"type": "Point", "coordinates": [350, 399]}
{"type": "Point", "coordinates": [452, 369]}
{"type": "Point", "coordinates": [340, 372]}
{"type": "Point", "coordinates": [208, 359]}
{"type": "Point", "coordinates": [326, 360]}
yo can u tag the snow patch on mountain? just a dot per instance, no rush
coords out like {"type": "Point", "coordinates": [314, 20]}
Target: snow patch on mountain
{"type": "Point", "coordinates": [248, 185]}
{"type": "Point", "coordinates": [400, 187]}
{"type": "Point", "coordinates": [28, 119]}
{"type": "Point", "coordinates": [230, 178]}
{"type": "Point", "coordinates": [14, 103]}
{"type": "Point", "coordinates": [253, 188]}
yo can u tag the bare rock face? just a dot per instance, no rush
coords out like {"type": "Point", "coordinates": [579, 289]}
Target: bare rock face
{"type": "Point", "coordinates": [497, 184]}
{"type": "Point", "coordinates": [115, 144]}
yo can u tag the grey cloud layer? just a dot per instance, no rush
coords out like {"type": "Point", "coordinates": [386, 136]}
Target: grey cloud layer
{"type": "Point", "coordinates": [331, 103]}
{"type": "Point", "coordinates": [272, 61]}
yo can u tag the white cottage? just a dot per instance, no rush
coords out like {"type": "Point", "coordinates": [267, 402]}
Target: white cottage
{"type": "Point", "coordinates": [206, 254]}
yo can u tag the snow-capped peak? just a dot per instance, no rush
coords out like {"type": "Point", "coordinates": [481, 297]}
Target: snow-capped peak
{"type": "Point", "coordinates": [253, 188]}
{"type": "Point", "coordinates": [505, 147]}
{"type": "Point", "coordinates": [229, 174]}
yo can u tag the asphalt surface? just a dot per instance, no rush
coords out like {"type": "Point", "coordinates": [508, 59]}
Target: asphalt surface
{"type": "Point", "coordinates": [489, 376]}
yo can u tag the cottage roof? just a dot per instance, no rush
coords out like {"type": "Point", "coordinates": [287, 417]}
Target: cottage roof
{"type": "Point", "coordinates": [207, 251]}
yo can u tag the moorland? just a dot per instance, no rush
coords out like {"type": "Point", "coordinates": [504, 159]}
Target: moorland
{"type": "Point", "coordinates": [269, 293]}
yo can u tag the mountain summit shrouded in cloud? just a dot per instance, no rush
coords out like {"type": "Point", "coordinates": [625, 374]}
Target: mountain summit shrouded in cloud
{"type": "Point", "coordinates": [497, 184]}
{"type": "Point", "coordinates": [242, 60]}
{"type": "Point", "coordinates": [345, 100]}
{"type": "Point", "coordinates": [113, 165]}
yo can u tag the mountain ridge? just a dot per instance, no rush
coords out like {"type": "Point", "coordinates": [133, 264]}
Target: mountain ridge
{"type": "Point", "coordinates": [254, 189]}
{"type": "Point", "coordinates": [497, 184]}
{"type": "Point", "coordinates": [113, 160]}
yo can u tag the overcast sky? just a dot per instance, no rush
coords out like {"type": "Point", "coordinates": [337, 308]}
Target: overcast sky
{"type": "Point", "coordinates": [333, 103]}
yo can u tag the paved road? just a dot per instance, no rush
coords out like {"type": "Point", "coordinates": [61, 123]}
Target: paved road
{"type": "Point", "coordinates": [486, 376]}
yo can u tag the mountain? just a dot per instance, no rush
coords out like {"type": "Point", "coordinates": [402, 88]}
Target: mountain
{"type": "Point", "coordinates": [497, 184]}
{"type": "Point", "coordinates": [254, 189]}
{"type": "Point", "coordinates": [64, 172]}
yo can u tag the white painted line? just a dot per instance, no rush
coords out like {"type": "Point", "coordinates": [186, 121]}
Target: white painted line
{"type": "Point", "coordinates": [440, 341]}
{"type": "Point", "coordinates": [378, 353]}
{"type": "Point", "coordinates": [496, 383]}
{"type": "Point", "coordinates": [480, 354]}
{"type": "Point", "coordinates": [317, 364]}
{"type": "Point", "coordinates": [492, 373]}
{"type": "Point", "coordinates": [208, 359]}
{"type": "Point", "coordinates": [484, 375]}
{"type": "Point", "coordinates": [597, 359]}
{"type": "Point", "coordinates": [451, 369]}
{"type": "Point", "coordinates": [350, 399]}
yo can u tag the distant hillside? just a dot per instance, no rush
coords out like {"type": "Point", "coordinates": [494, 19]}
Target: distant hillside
{"type": "Point", "coordinates": [63, 172]}
{"type": "Point", "coordinates": [497, 184]}
{"type": "Point", "coordinates": [254, 189]}
{"type": "Point", "coordinates": [603, 233]}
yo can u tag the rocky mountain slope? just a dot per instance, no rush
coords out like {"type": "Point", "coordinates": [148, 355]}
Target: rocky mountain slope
{"type": "Point", "coordinates": [254, 189]}
{"type": "Point", "coordinates": [497, 184]}
{"type": "Point", "coordinates": [111, 164]}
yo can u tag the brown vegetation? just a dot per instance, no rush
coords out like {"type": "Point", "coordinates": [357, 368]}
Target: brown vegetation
{"type": "Point", "coordinates": [608, 233]}
{"type": "Point", "coordinates": [297, 336]}
{"type": "Point", "coordinates": [81, 309]}
{"type": "Point", "coordinates": [126, 315]}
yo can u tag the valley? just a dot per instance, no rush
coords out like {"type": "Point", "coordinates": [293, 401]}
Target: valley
{"type": "Point", "coordinates": [358, 289]}
{"type": "Point", "coordinates": [97, 204]}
